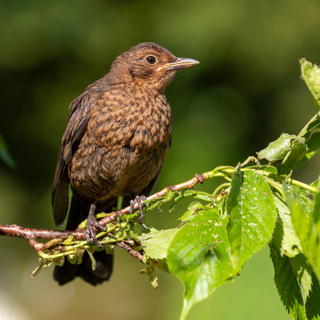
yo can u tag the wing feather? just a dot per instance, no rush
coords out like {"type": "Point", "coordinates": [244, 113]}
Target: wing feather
{"type": "Point", "coordinates": [76, 128]}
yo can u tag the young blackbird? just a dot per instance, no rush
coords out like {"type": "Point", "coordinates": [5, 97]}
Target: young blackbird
{"type": "Point", "coordinates": [114, 145]}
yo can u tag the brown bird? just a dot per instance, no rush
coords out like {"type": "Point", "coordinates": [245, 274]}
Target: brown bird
{"type": "Point", "coordinates": [117, 137]}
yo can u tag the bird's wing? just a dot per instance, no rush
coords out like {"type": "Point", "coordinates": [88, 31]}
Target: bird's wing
{"type": "Point", "coordinates": [76, 128]}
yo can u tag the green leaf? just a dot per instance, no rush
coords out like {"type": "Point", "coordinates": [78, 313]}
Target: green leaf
{"type": "Point", "coordinates": [311, 133]}
{"type": "Point", "coordinates": [312, 304]}
{"type": "Point", "coordinates": [156, 243]}
{"type": "Point", "coordinates": [210, 249]}
{"type": "Point", "coordinates": [296, 283]}
{"type": "Point", "coordinates": [252, 215]}
{"type": "Point", "coordinates": [5, 155]}
{"type": "Point", "coordinates": [311, 75]}
{"type": "Point", "coordinates": [72, 258]}
{"type": "Point", "coordinates": [169, 195]}
{"type": "Point", "coordinates": [265, 168]}
{"type": "Point", "coordinates": [294, 156]}
{"type": "Point", "coordinates": [284, 235]}
{"type": "Point", "coordinates": [314, 184]}
{"type": "Point", "coordinates": [277, 150]}
{"type": "Point", "coordinates": [193, 207]}
{"type": "Point", "coordinates": [286, 282]}
{"type": "Point", "coordinates": [199, 255]}
{"type": "Point", "coordinates": [93, 260]}
{"type": "Point", "coordinates": [306, 221]}
{"type": "Point", "coordinates": [311, 126]}
{"type": "Point", "coordinates": [109, 249]}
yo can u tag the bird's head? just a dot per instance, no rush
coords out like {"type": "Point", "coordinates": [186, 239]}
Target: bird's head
{"type": "Point", "coordinates": [147, 64]}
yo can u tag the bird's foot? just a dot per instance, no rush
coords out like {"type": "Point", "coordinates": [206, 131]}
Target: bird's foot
{"type": "Point", "coordinates": [138, 200]}
{"type": "Point", "coordinates": [91, 224]}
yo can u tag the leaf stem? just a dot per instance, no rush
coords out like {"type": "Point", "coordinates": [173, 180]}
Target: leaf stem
{"type": "Point", "coordinates": [227, 184]}
{"type": "Point", "coordinates": [302, 185]}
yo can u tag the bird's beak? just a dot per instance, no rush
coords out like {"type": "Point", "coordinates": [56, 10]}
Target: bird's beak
{"type": "Point", "coordinates": [180, 63]}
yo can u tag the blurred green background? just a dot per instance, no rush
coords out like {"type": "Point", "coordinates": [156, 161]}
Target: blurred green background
{"type": "Point", "coordinates": [244, 94]}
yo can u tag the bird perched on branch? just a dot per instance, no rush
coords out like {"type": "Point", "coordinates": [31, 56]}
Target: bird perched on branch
{"type": "Point", "coordinates": [117, 137]}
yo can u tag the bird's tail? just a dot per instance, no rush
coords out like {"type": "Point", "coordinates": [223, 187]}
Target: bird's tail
{"type": "Point", "coordinates": [104, 262]}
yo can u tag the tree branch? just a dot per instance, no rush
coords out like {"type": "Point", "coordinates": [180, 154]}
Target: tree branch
{"type": "Point", "coordinates": [32, 234]}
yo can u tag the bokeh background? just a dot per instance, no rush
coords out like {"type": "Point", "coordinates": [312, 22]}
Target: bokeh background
{"type": "Point", "coordinates": [244, 94]}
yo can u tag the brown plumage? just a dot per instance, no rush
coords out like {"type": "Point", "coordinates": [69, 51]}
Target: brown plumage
{"type": "Point", "coordinates": [114, 145]}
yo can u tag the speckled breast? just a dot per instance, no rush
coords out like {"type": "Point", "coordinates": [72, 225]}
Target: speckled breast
{"type": "Point", "coordinates": [125, 144]}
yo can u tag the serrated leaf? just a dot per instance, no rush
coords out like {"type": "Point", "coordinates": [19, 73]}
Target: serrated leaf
{"type": "Point", "coordinates": [311, 75]}
{"type": "Point", "coordinates": [278, 149]}
{"type": "Point", "coordinates": [284, 235]}
{"type": "Point", "coordinates": [211, 249]}
{"type": "Point", "coordinates": [252, 215]}
{"type": "Point", "coordinates": [287, 284]}
{"type": "Point", "coordinates": [296, 283]}
{"type": "Point", "coordinates": [156, 243]}
{"type": "Point", "coordinates": [306, 221]}
{"type": "Point", "coordinates": [312, 304]}
{"type": "Point", "coordinates": [199, 256]}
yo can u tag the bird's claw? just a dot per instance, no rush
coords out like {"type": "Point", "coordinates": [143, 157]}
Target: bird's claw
{"type": "Point", "coordinates": [138, 200]}
{"type": "Point", "coordinates": [90, 232]}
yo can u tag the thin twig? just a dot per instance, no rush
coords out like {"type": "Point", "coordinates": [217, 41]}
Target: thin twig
{"type": "Point", "coordinates": [198, 178]}
{"type": "Point", "coordinates": [132, 252]}
{"type": "Point", "coordinates": [32, 234]}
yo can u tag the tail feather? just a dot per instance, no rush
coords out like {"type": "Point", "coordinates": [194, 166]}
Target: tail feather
{"type": "Point", "coordinates": [104, 262]}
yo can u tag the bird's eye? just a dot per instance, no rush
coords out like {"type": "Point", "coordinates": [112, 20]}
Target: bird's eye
{"type": "Point", "coordinates": [151, 59]}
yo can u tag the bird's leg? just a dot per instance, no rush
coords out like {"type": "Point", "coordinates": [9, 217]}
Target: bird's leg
{"type": "Point", "coordinates": [92, 222]}
{"type": "Point", "coordinates": [138, 200]}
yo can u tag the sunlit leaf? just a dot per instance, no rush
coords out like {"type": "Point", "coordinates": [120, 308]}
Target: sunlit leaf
{"type": "Point", "coordinates": [284, 235]}
{"type": "Point", "coordinates": [199, 255]}
{"type": "Point", "coordinates": [278, 149]}
{"type": "Point", "coordinates": [265, 168]}
{"type": "Point", "coordinates": [306, 221]}
{"type": "Point", "coordinates": [156, 243]}
{"type": "Point", "coordinates": [193, 207]}
{"type": "Point", "coordinates": [312, 304]}
{"type": "Point", "coordinates": [296, 283]}
{"type": "Point", "coordinates": [210, 249]}
{"type": "Point", "coordinates": [287, 285]}
{"type": "Point", "coordinates": [252, 215]}
{"type": "Point", "coordinates": [311, 75]}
